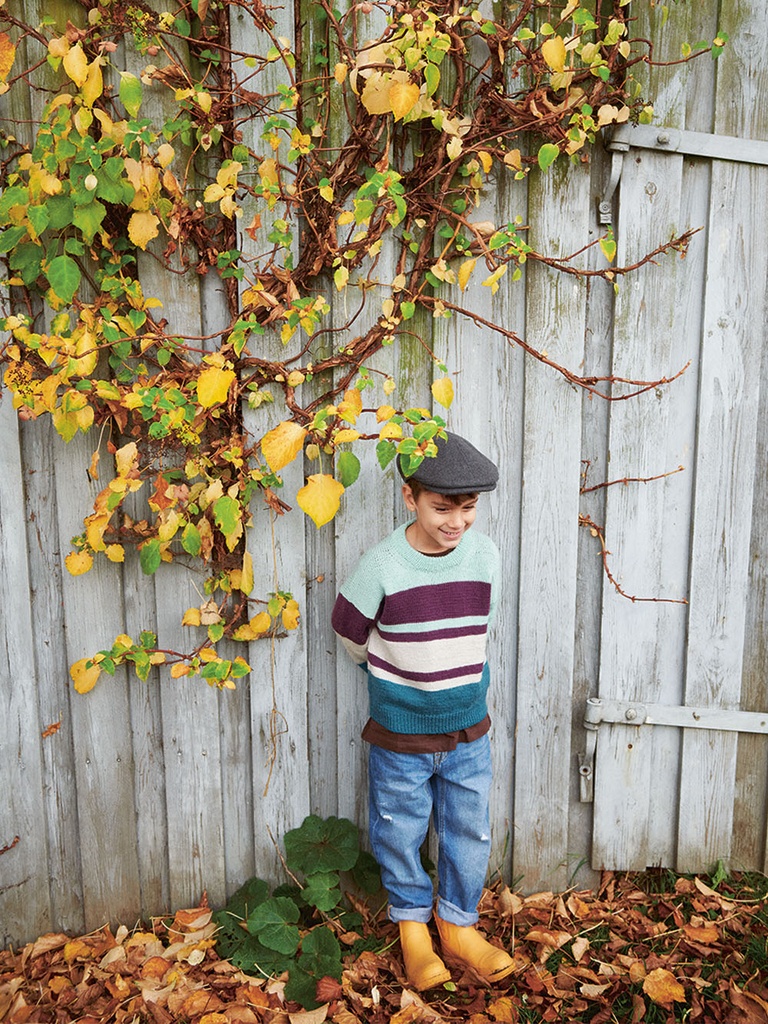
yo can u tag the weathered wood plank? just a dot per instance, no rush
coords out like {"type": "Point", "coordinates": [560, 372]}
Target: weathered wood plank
{"type": "Point", "coordinates": [549, 526]}
{"type": "Point", "coordinates": [648, 437]}
{"type": "Point", "coordinates": [25, 906]}
{"type": "Point", "coordinates": [726, 446]}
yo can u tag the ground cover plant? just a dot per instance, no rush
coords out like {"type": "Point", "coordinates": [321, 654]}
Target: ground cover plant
{"type": "Point", "coordinates": [653, 947]}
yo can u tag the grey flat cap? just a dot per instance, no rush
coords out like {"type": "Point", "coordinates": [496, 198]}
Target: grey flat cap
{"type": "Point", "coordinates": [458, 468]}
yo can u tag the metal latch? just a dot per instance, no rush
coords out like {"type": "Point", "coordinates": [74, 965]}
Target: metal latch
{"type": "Point", "coordinates": [672, 140]}
{"type": "Point", "coordinates": [636, 713]}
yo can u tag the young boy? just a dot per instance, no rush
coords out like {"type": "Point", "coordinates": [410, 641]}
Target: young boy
{"type": "Point", "coordinates": [415, 614]}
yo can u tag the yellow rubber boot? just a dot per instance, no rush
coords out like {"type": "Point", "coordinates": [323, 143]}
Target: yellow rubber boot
{"type": "Point", "coordinates": [465, 947]}
{"type": "Point", "coordinates": [423, 967]}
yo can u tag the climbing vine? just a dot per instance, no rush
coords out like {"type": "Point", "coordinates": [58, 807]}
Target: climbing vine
{"type": "Point", "coordinates": [282, 172]}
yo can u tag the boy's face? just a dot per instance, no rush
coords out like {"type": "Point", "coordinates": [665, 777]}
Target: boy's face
{"type": "Point", "coordinates": [440, 522]}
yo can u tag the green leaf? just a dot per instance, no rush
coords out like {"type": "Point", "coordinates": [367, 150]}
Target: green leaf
{"type": "Point", "coordinates": [226, 513]}
{"type": "Point", "coordinates": [248, 897]}
{"type": "Point", "coordinates": [39, 216]}
{"type": "Point", "coordinates": [273, 923]}
{"type": "Point", "coordinates": [322, 890]}
{"type": "Point", "coordinates": [348, 466]}
{"type": "Point", "coordinates": [432, 78]}
{"type": "Point", "coordinates": [322, 845]}
{"type": "Point", "coordinates": [407, 309]}
{"type": "Point", "coordinates": [64, 277]}
{"type": "Point", "coordinates": [321, 954]}
{"type": "Point", "coordinates": [385, 452]}
{"type": "Point", "coordinates": [149, 556]}
{"type": "Point", "coordinates": [88, 218]}
{"type": "Point", "coordinates": [131, 92]}
{"type": "Point", "coordinates": [366, 873]}
{"type": "Point", "coordinates": [10, 237]}
{"type": "Point", "coordinates": [190, 540]}
{"type": "Point", "coordinates": [547, 155]}
{"type": "Point", "coordinates": [301, 988]}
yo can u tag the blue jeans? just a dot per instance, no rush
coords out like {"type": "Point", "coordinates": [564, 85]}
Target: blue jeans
{"type": "Point", "coordinates": [405, 789]}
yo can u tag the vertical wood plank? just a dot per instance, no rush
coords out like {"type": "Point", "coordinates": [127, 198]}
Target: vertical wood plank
{"type": "Point", "coordinates": [549, 527]}
{"type": "Point", "coordinates": [726, 447]}
{"type": "Point", "coordinates": [25, 906]}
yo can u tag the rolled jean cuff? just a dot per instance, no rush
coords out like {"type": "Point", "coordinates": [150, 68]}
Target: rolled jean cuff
{"type": "Point", "coordinates": [422, 914]}
{"type": "Point", "coordinates": [455, 915]}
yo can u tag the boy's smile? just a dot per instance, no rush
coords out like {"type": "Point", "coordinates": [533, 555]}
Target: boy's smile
{"type": "Point", "coordinates": [440, 521]}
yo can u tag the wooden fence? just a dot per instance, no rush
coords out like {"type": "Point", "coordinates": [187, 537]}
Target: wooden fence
{"type": "Point", "coordinates": [148, 794]}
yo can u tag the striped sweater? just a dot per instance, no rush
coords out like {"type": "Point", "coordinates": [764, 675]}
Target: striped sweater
{"type": "Point", "coordinates": [419, 625]}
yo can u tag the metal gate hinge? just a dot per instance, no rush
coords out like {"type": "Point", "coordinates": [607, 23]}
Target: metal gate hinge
{"type": "Point", "coordinates": [621, 138]}
{"type": "Point", "coordinates": [601, 711]}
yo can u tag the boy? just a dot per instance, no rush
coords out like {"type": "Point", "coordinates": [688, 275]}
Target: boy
{"type": "Point", "coordinates": [415, 614]}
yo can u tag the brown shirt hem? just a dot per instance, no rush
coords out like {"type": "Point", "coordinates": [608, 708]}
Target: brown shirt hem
{"type": "Point", "coordinates": [422, 743]}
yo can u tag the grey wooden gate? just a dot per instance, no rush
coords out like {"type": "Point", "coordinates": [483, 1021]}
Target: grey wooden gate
{"type": "Point", "coordinates": [681, 765]}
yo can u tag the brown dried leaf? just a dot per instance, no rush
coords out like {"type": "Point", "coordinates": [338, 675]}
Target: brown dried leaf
{"type": "Point", "coordinates": [663, 988]}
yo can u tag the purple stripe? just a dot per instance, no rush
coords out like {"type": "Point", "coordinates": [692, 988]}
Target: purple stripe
{"type": "Point", "coordinates": [435, 602]}
{"type": "Point", "coordinates": [348, 622]}
{"type": "Point", "coordinates": [433, 634]}
{"type": "Point", "coordinates": [425, 677]}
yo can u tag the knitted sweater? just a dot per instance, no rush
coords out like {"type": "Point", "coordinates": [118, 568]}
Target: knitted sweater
{"type": "Point", "coordinates": [419, 624]}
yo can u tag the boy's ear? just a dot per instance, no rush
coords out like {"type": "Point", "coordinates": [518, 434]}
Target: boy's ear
{"type": "Point", "coordinates": [408, 498]}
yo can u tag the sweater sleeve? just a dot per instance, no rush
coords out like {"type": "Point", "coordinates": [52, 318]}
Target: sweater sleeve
{"type": "Point", "coordinates": [357, 608]}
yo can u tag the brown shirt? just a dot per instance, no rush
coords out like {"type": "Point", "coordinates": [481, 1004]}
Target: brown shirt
{"type": "Point", "coordinates": [422, 743]}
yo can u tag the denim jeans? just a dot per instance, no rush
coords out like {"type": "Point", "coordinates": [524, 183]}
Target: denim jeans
{"type": "Point", "coordinates": [405, 789]}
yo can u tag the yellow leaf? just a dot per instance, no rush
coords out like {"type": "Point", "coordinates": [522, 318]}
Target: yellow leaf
{"type": "Point", "coordinates": [143, 227]}
{"type": "Point", "coordinates": [84, 678]}
{"type": "Point", "coordinates": [78, 562]}
{"type": "Point", "coordinates": [76, 64]}
{"type": "Point", "coordinates": [442, 391]}
{"type": "Point", "coordinates": [213, 386]}
{"type": "Point", "coordinates": [492, 281]}
{"type": "Point", "coordinates": [326, 192]}
{"type": "Point", "coordinates": [375, 95]}
{"type": "Point", "coordinates": [486, 160]}
{"type": "Point", "coordinates": [268, 171]}
{"type": "Point", "coordinates": [345, 217]}
{"type": "Point", "coordinates": [281, 445]}
{"type": "Point", "coordinates": [208, 654]}
{"type": "Point", "coordinates": [320, 498]}
{"type": "Point", "coordinates": [165, 154]}
{"type": "Point", "coordinates": [59, 47]}
{"type": "Point", "coordinates": [340, 72]}
{"type": "Point", "coordinates": [340, 277]}
{"type": "Point", "coordinates": [345, 436]}
{"type": "Point", "coordinates": [663, 988]}
{"type": "Point", "coordinates": [260, 623]}
{"type": "Point", "coordinates": [290, 615]}
{"type": "Point", "coordinates": [385, 412]}
{"type": "Point", "coordinates": [352, 404]}
{"type": "Point", "coordinates": [93, 86]}
{"type": "Point", "coordinates": [191, 617]}
{"type": "Point", "coordinates": [454, 148]}
{"type": "Point", "coordinates": [7, 55]}
{"type": "Point", "coordinates": [115, 552]}
{"type": "Point", "coordinates": [391, 430]}
{"type": "Point", "coordinates": [246, 576]}
{"type": "Point", "coordinates": [513, 159]}
{"type": "Point", "coordinates": [180, 669]}
{"type": "Point", "coordinates": [126, 458]}
{"type": "Point", "coordinates": [465, 272]}
{"type": "Point", "coordinates": [553, 52]}
{"type": "Point", "coordinates": [403, 97]}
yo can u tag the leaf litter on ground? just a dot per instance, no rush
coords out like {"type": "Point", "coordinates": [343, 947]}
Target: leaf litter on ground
{"type": "Point", "coordinates": [642, 947]}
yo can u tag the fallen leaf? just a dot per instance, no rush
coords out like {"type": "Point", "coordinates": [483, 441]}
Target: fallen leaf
{"type": "Point", "coordinates": [663, 988]}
